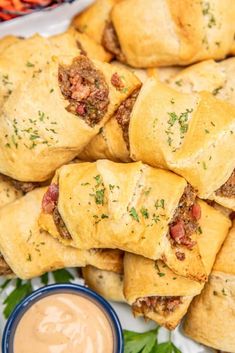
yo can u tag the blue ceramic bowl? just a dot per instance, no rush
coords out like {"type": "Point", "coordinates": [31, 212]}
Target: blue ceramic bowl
{"type": "Point", "coordinates": [24, 305]}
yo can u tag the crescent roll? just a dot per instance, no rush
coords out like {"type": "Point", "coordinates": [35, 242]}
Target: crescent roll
{"type": "Point", "coordinates": [25, 248]}
{"type": "Point", "coordinates": [51, 117]}
{"type": "Point", "coordinates": [106, 283]}
{"type": "Point", "coordinates": [75, 42]}
{"type": "Point", "coordinates": [92, 20]}
{"type": "Point", "coordinates": [191, 134]}
{"type": "Point", "coordinates": [35, 52]}
{"type": "Point", "coordinates": [215, 77]}
{"type": "Point", "coordinates": [156, 292]}
{"type": "Point", "coordinates": [112, 142]}
{"type": "Point", "coordinates": [210, 319]}
{"type": "Point", "coordinates": [131, 206]}
{"type": "Point", "coordinates": [7, 41]}
{"type": "Point", "coordinates": [8, 193]}
{"type": "Point", "coordinates": [164, 33]}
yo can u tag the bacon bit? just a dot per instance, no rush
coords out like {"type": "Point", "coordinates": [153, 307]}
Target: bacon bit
{"type": "Point", "coordinates": [78, 89]}
{"type": "Point", "coordinates": [196, 211]}
{"type": "Point", "coordinates": [81, 110]}
{"type": "Point", "coordinates": [50, 198]}
{"type": "Point", "coordinates": [117, 82]}
{"type": "Point", "coordinates": [177, 231]}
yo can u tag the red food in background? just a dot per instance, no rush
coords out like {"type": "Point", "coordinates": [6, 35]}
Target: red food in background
{"type": "Point", "coordinates": [13, 8]}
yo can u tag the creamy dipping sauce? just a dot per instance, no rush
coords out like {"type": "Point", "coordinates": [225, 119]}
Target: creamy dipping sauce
{"type": "Point", "coordinates": [64, 323]}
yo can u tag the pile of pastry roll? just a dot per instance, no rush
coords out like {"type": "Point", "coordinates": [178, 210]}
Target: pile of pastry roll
{"type": "Point", "coordinates": [113, 162]}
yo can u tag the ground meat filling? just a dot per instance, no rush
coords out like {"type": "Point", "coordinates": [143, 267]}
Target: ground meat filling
{"type": "Point", "coordinates": [123, 115]}
{"type": "Point", "coordinates": [4, 268]}
{"type": "Point", "coordinates": [228, 189]}
{"type": "Point", "coordinates": [22, 185]}
{"type": "Point", "coordinates": [185, 221]}
{"type": "Point", "coordinates": [86, 90]}
{"type": "Point", "coordinates": [60, 225]}
{"type": "Point", "coordinates": [49, 206]}
{"type": "Point", "coordinates": [160, 305]}
{"type": "Point", "coordinates": [111, 43]}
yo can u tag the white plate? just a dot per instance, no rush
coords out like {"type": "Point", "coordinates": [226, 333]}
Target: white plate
{"type": "Point", "coordinates": [48, 23]}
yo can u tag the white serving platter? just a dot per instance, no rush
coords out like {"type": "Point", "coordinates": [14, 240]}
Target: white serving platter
{"type": "Point", "coordinates": [51, 22]}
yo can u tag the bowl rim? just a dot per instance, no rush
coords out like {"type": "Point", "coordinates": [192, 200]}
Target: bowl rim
{"type": "Point", "coordinates": [49, 289]}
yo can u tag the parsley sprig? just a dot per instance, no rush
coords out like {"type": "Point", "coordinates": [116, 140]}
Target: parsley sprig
{"type": "Point", "coordinates": [147, 342]}
{"type": "Point", "coordinates": [23, 288]}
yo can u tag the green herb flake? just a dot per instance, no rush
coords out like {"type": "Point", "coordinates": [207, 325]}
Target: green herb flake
{"type": "Point", "coordinates": [144, 212]}
{"type": "Point", "coordinates": [134, 214]}
{"type": "Point", "coordinates": [179, 83]}
{"type": "Point", "coordinates": [224, 293]}
{"type": "Point", "coordinates": [104, 216]}
{"type": "Point", "coordinates": [29, 64]}
{"type": "Point", "coordinates": [29, 258]}
{"type": "Point", "coordinates": [147, 191]}
{"type": "Point", "coordinates": [216, 90]}
{"type": "Point", "coordinates": [99, 197]}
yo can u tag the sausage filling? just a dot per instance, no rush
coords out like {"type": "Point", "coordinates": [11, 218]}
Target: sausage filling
{"type": "Point", "coordinates": [24, 186]}
{"type": "Point", "coordinates": [185, 221]}
{"type": "Point", "coordinates": [4, 268]}
{"type": "Point", "coordinates": [86, 90]}
{"type": "Point", "coordinates": [123, 115]}
{"type": "Point", "coordinates": [111, 43]}
{"type": "Point", "coordinates": [228, 189]}
{"type": "Point", "coordinates": [50, 206]}
{"type": "Point", "coordinates": [160, 305]}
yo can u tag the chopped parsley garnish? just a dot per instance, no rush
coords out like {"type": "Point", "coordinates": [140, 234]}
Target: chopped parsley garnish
{"type": "Point", "coordinates": [182, 121]}
{"type": "Point", "coordinates": [134, 214]}
{"type": "Point", "coordinates": [29, 64]}
{"type": "Point", "coordinates": [160, 204]}
{"type": "Point", "coordinates": [216, 90]}
{"type": "Point", "coordinates": [147, 191]}
{"type": "Point", "coordinates": [99, 197]}
{"type": "Point", "coordinates": [144, 212]}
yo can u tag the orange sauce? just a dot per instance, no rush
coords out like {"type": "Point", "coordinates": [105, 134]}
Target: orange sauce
{"type": "Point", "coordinates": [64, 323]}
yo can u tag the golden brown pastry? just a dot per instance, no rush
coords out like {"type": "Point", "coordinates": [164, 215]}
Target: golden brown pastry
{"type": "Point", "coordinates": [191, 134]}
{"type": "Point", "coordinates": [7, 41]}
{"type": "Point", "coordinates": [164, 33]}
{"type": "Point", "coordinates": [156, 292]}
{"type": "Point", "coordinates": [52, 116]}
{"type": "Point", "coordinates": [30, 252]}
{"type": "Point", "coordinates": [113, 142]}
{"type": "Point", "coordinates": [215, 77]}
{"type": "Point", "coordinates": [92, 20]}
{"type": "Point", "coordinates": [132, 207]}
{"type": "Point", "coordinates": [35, 52]}
{"type": "Point", "coordinates": [210, 319]}
{"type": "Point", "coordinates": [106, 283]}
{"type": "Point", "coordinates": [8, 192]}
{"type": "Point", "coordinates": [72, 42]}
